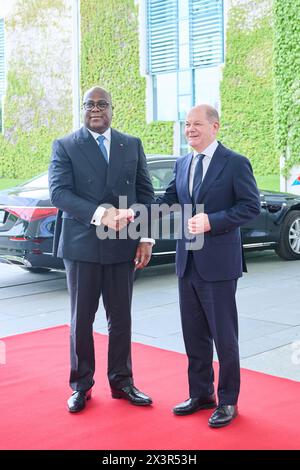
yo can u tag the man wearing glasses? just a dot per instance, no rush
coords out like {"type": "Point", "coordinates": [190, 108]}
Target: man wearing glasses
{"type": "Point", "coordinates": [90, 168]}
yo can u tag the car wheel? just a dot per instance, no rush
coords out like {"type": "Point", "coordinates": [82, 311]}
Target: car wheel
{"type": "Point", "coordinates": [289, 242]}
{"type": "Point", "coordinates": [36, 270]}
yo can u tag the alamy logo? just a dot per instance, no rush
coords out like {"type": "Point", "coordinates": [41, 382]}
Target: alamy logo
{"type": "Point", "coordinates": [157, 220]}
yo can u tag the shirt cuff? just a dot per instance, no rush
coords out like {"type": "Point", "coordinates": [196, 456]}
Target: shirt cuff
{"type": "Point", "coordinates": [98, 214]}
{"type": "Point", "coordinates": [147, 240]}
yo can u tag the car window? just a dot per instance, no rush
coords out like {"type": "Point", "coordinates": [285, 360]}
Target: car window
{"type": "Point", "coordinates": [40, 181]}
{"type": "Point", "coordinates": [161, 174]}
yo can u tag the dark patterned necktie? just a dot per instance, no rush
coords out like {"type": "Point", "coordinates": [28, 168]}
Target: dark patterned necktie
{"type": "Point", "coordinates": [198, 175]}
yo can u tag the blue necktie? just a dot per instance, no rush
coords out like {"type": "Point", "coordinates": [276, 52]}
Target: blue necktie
{"type": "Point", "coordinates": [102, 147]}
{"type": "Point", "coordinates": [198, 175]}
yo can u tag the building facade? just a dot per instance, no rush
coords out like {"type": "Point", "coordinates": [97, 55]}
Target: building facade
{"type": "Point", "coordinates": [182, 51]}
{"type": "Point", "coordinates": [157, 57]}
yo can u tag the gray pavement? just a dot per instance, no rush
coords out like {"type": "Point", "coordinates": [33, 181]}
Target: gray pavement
{"type": "Point", "coordinates": [268, 302]}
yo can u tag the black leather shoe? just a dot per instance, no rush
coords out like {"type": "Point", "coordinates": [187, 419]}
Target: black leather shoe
{"type": "Point", "coordinates": [78, 399]}
{"type": "Point", "coordinates": [195, 404]}
{"type": "Point", "coordinates": [131, 394]}
{"type": "Point", "coordinates": [223, 415]}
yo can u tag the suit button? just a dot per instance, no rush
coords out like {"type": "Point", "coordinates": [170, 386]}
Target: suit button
{"type": "Point", "coordinates": [127, 182]}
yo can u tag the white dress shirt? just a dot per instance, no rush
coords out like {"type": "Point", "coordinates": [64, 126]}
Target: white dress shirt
{"type": "Point", "coordinates": [99, 212]}
{"type": "Point", "coordinates": [106, 142]}
{"type": "Point", "coordinates": [208, 152]}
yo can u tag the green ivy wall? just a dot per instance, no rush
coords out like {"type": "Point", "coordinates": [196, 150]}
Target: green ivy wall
{"type": "Point", "coordinates": [38, 101]}
{"type": "Point", "coordinates": [110, 58]}
{"type": "Point", "coordinates": [287, 80]}
{"type": "Point", "coordinates": [247, 88]}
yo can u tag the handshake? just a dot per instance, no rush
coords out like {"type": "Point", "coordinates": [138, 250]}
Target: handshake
{"type": "Point", "coordinates": [117, 218]}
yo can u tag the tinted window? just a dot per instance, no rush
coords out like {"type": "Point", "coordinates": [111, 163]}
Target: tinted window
{"type": "Point", "coordinates": [161, 174]}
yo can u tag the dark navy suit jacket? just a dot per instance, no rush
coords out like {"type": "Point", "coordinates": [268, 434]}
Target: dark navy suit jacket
{"type": "Point", "coordinates": [80, 181]}
{"type": "Point", "coordinates": [231, 198]}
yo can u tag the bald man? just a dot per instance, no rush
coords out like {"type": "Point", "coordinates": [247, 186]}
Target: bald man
{"type": "Point", "coordinates": [90, 168]}
{"type": "Point", "coordinates": [223, 182]}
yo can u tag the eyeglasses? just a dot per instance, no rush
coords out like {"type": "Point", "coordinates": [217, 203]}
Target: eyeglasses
{"type": "Point", "coordinates": [101, 105]}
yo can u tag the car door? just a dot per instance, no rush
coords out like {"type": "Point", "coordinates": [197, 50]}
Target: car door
{"type": "Point", "coordinates": [161, 173]}
{"type": "Point", "coordinates": [255, 232]}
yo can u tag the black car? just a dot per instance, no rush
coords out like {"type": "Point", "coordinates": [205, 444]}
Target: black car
{"type": "Point", "coordinates": [27, 221]}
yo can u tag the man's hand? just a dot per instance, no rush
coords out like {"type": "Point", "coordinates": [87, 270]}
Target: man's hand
{"type": "Point", "coordinates": [143, 255]}
{"type": "Point", "coordinates": [199, 224]}
{"type": "Point", "coordinates": [115, 218]}
{"type": "Point", "coordinates": [125, 214]}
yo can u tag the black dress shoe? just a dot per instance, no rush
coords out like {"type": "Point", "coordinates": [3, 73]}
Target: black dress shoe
{"type": "Point", "coordinates": [131, 394]}
{"type": "Point", "coordinates": [223, 415]}
{"type": "Point", "coordinates": [78, 399]}
{"type": "Point", "coordinates": [195, 404]}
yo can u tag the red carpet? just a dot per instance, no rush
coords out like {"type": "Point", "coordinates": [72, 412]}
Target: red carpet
{"type": "Point", "coordinates": [34, 389]}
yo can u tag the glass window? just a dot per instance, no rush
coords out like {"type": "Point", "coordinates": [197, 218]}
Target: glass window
{"type": "Point", "coordinates": [207, 85]}
{"type": "Point", "coordinates": [184, 146]}
{"type": "Point", "coordinates": [206, 28]}
{"type": "Point", "coordinates": [162, 36]}
{"type": "Point", "coordinates": [166, 92]}
{"type": "Point", "coordinates": [185, 82]}
{"type": "Point", "coordinates": [184, 37]}
{"type": "Point", "coordinates": [161, 174]}
{"type": "Point", "coordinates": [184, 103]}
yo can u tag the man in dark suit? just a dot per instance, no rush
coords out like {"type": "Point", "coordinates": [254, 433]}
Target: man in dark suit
{"type": "Point", "coordinates": [91, 167]}
{"type": "Point", "coordinates": [223, 182]}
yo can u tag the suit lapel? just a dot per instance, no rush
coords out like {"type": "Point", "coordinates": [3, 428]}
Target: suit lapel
{"type": "Point", "coordinates": [117, 156]}
{"type": "Point", "coordinates": [216, 165]}
{"type": "Point", "coordinates": [88, 146]}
